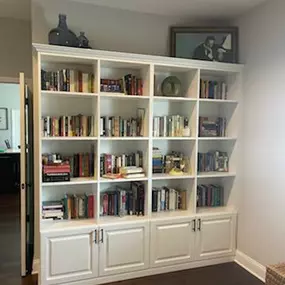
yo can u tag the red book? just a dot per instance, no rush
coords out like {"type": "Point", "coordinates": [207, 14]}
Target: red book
{"type": "Point", "coordinates": [91, 206]}
{"type": "Point", "coordinates": [108, 163]}
{"type": "Point", "coordinates": [80, 85]}
{"type": "Point", "coordinates": [133, 88]}
{"type": "Point", "coordinates": [105, 204]}
{"type": "Point", "coordinates": [140, 87]}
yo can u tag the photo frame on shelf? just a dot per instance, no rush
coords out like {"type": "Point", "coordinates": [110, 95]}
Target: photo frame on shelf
{"type": "Point", "coordinates": [3, 119]}
{"type": "Point", "coordinates": [205, 43]}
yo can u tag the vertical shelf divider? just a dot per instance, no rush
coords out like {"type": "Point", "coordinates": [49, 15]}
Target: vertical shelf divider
{"type": "Point", "coordinates": [98, 114]}
{"type": "Point", "coordinates": [150, 142]}
{"type": "Point", "coordinates": [194, 194]}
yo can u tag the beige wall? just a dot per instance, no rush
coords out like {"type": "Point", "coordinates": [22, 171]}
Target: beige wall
{"type": "Point", "coordinates": [261, 220]}
{"type": "Point", "coordinates": [108, 28]}
{"type": "Point", "coordinates": [15, 47]}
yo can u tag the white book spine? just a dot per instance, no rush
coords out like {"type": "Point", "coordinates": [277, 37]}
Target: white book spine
{"type": "Point", "coordinates": [164, 126]}
{"type": "Point", "coordinates": [171, 200]}
{"type": "Point", "coordinates": [101, 126]}
{"type": "Point", "coordinates": [85, 77]}
{"type": "Point", "coordinates": [158, 200]}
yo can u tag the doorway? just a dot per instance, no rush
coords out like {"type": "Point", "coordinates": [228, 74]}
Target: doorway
{"type": "Point", "coordinates": [10, 233]}
{"type": "Point", "coordinates": [16, 186]}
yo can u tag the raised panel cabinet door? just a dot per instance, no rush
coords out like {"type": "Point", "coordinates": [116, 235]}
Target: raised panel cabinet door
{"type": "Point", "coordinates": [123, 248]}
{"type": "Point", "coordinates": [69, 256]}
{"type": "Point", "coordinates": [215, 236]}
{"type": "Point", "coordinates": [172, 242]}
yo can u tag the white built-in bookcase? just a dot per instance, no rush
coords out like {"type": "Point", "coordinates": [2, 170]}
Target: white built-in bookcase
{"type": "Point", "coordinates": [149, 68]}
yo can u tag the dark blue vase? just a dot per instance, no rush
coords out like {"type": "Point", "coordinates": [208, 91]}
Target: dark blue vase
{"type": "Point", "coordinates": [61, 35]}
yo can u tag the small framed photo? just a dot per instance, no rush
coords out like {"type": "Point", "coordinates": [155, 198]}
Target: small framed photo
{"type": "Point", "coordinates": [3, 119]}
{"type": "Point", "coordinates": [210, 44]}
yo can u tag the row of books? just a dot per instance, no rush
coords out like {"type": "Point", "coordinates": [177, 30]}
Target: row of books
{"type": "Point", "coordinates": [112, 164]}
{"type": "Point", "coordinates": [123, 201]}
{"type": "Point", "coordinates": [116, 126]}
{"type": "Point", "coordinates": [128, 84]}
{"type": "Point", "coordinates": [212, 127]}
{"type": "Point", "coordinates": [81, 164]}
{"type": "Point", "coordinates": [67, 126]}
{"type": "Point", "coordinates": [171, 126]}
{"type": "Point", "coordinates": [70, 207]}
{"type": "Point", "coordinates": [213, 161]}
{"type": "Point", "coordinates": [211, 89]}
{"type": "Point", "coordinates": [165, 163]}
{"type": "Point", "coordinates": [210, 195]}
{"type": "Point", "coordinates": [69, 80]}
{"type": "Point", "coordinates": [168, 199]}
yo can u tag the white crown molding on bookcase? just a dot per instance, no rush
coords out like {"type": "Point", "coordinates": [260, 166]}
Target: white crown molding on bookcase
{"type": "Point", "coordinates": [120, 56]}
{"type": "Point", "coordinates": [251, 265]}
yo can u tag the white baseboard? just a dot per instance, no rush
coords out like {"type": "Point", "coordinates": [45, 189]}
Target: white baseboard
{"type": "Point", "coordinates": [251, 265]}
{"type": "Point", "coordinates": [36, 266]}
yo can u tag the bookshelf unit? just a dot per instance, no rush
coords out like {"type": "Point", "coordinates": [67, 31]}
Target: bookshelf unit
{"type": "Point", "coordinates": [153, 227]}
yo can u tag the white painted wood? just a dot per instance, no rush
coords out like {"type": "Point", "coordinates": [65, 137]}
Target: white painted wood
{"type": "Point", "coordinates": [171, 242]}
{"type": "Point", "coordinates": [23, 173]}
{"type": "Point", "coordinates": [120, 233]}
{"type": "Point", "coordinates": [153, 271]}
{"type": "Point", "coordinates": [124, 248]}
{"type": "Point", "coordinates": [215, 236]}
{"type": "Point", "coordinates": [69, 256]}
{"type": "Point", "coordinates": [73, 181]}
{"type": "Point", "coordinates": [66, 52]}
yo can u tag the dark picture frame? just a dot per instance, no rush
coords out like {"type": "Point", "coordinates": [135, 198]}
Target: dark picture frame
{"type": "Point", "coordinates": [205, 43]}
{"type": "Point", "coordinates": [4, 115]}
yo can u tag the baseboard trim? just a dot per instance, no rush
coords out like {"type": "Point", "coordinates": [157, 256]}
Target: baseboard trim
{"type": "Point", "coordinates": [151, 271]}
{"type": "Point", "coordinates": [36, 266]}
{"type": "Point", "coordinates": [251, 265]}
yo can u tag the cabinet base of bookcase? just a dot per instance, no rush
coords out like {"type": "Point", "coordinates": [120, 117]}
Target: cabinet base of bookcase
{"type": "Point", "coordinates": [152, 271]}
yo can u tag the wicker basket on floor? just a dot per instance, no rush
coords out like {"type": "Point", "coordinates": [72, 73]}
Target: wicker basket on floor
{"type": "Point", "coordinates": [275, 274]}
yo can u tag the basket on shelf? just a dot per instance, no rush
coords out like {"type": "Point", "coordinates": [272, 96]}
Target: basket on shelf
{"type": "Point", "coordinates": [275, 274]}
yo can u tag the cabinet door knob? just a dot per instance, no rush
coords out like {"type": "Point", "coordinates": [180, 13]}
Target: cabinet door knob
{"type": "Point", "coordinates": [102, 236]}
{"type": "Point", "coordinates": [95, 233]}
{"type": "Point", "coordinates": [199, 224]}
{"type": "Point", "coordinates": [194, 226]}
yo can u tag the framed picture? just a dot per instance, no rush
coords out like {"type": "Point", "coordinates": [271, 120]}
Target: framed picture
{"type": "Point", "coordinates": [3, 119]}
{"type": "Point", "coordinates": [210, 44]}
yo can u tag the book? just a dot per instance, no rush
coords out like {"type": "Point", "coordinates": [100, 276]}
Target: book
{"type": "Point", "coordinates": [168, 199]}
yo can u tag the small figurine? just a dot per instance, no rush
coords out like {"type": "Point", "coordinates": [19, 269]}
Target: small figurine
{"type": "Point", "coordinates": [83, 41]}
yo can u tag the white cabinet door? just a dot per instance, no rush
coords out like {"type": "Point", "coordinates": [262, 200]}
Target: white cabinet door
{"type": "Point", "coordinates": [172, 242]}
{"type": "Point", "coordinates": [123, 248]}
{"type": "Point", "coordinates": [215, 236]}
{"type": "Point", "coordinates": [68, 256]}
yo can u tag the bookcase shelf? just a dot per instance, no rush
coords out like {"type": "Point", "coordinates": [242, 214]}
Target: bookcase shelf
{"type": "Point", "coordinates": [215, 174]}
{"type": "Point", "coordinates": [173, 99]}
{"type": "Point", "coordinates": [122, 96]}
{"type": "Point", "coordinates": [162, 176]}
{"type": "Point", "coordinates": [124, 138]}
{"type": "Point", "coordinates": [73, 181]}
{"type": "Point", "coordinates": [120, 180]}
{"type": "Point", "coordinates": [217, 101]}
{"type": "Point", "coordinates": [151, 71]}
{"type": "Point", "coordinates": [69, 138]}
{"type": "Point", "coordinates": [68, 94]}
{"type": "Point", "coordinates": [174, 138]}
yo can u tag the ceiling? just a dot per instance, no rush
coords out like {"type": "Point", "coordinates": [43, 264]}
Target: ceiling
{"type": "Point", "coordinates": [182, 8]}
